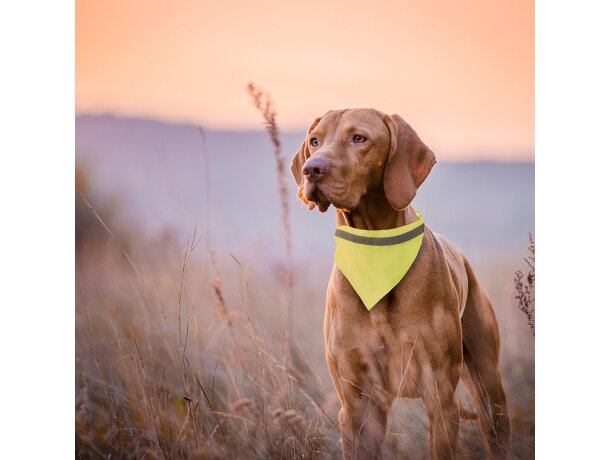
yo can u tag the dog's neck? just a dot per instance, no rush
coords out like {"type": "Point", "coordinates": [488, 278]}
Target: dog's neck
{"type": "Point", "coordinates": [374, 212]}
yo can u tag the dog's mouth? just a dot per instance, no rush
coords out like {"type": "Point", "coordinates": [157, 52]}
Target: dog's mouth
{"type": "Point", "coordinates": [315, 197]}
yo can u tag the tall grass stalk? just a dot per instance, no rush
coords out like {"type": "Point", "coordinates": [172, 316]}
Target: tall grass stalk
{"type": "Point", "coordinates": [208, 204]}
{"type": "Point", "coordinates": [264, 104]}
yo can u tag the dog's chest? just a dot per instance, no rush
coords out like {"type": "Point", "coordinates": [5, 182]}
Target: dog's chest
{"type": "Point", "coordinates": [374, 354]}
{"type": "Point", "coordinates": [381, 345]}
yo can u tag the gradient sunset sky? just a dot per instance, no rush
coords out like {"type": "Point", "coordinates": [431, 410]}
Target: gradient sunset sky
{"type": "Point", "coordinates": [461, 73]}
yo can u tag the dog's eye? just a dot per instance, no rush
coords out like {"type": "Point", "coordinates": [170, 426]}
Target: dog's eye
{"type": "Point", "coordinates": [314, 142]}
{"type": "Point", "coordinates": [358, 139]}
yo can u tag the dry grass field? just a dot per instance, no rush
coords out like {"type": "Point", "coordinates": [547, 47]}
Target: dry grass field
{"type": "Point", "coordinates": [180, 354]}
{"type": "Point", "coordinates": [187, 351]}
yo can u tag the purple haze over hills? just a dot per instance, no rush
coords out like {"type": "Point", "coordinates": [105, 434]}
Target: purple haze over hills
{"type": "Point", "coordinates": [155, 174]}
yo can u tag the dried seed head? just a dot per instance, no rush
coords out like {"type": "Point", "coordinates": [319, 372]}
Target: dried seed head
{"type": "Point", "coordinates": [241, 405]}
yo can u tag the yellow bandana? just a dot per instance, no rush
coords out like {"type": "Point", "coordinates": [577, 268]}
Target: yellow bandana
{"type": "Point", "coordinates": [374, 261]}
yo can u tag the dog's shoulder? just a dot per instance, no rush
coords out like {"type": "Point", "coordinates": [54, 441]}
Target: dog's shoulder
{"type": "Point", "coordinates": [452, 261]}
{"type": "Point", "coordinates": [450, 250]}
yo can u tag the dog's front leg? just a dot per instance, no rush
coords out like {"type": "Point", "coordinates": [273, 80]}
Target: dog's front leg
{"type": "Point", "coordinates": [443, 420]}
{"type": "Point", "coordinates": [364, 411]}
{"type": "Point", "coordinates": [363, 427]}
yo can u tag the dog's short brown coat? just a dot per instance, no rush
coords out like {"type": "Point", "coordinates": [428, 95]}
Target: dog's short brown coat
{"type": "Point", "coordinates": [435, 327]}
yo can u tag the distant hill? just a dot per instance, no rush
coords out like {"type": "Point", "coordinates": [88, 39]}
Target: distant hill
{"type": "Point", "coordinates": [155, 172]}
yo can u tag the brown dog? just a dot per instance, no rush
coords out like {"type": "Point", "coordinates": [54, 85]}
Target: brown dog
{"type": "Point", "coordinates": [417, 339]}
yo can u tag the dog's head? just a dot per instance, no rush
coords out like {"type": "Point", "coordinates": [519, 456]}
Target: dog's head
{"type": "Point", "coordinates": [349, 153]}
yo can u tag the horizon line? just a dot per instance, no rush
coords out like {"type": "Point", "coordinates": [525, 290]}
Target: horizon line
{"type": "Point", "coordinates": [527, 158]}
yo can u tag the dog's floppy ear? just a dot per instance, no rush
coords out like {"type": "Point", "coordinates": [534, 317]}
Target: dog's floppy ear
{"type": "Point", "coordinates": [409, 163]}
{"type": "Point", "coordinates": [298, 160]}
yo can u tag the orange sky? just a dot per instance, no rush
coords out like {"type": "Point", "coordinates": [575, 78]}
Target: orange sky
{"type": "Point", "coordinates": [462, 73]}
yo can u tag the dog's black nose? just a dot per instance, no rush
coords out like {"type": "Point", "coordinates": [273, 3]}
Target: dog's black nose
{"type": "Point", "coordinates": [314, 168]}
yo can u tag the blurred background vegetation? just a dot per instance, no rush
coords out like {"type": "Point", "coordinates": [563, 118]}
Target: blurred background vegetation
{"type": "Point", "coordinates": [179, 315]}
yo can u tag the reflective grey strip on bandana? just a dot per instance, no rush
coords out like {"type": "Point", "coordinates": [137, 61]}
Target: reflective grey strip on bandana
{"type": "Point", "coordinates": [381, 241]}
